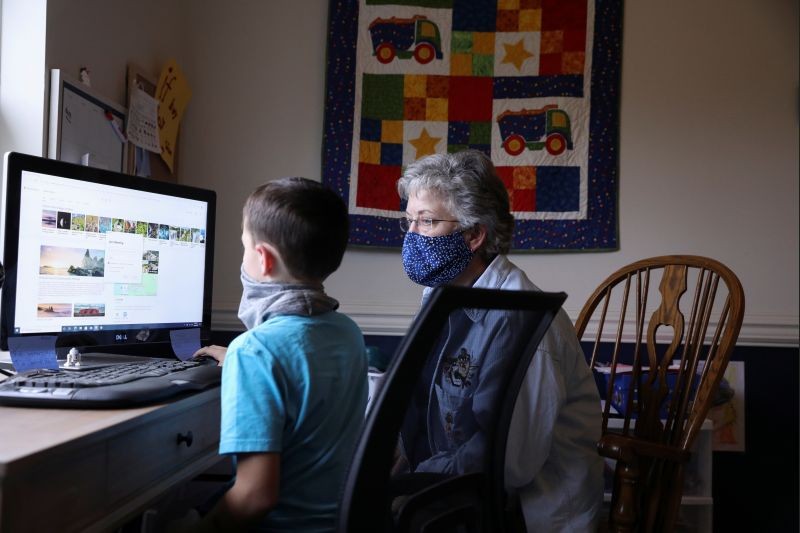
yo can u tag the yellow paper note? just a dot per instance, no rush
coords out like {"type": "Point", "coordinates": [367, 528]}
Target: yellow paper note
{"type": "Point", "coordinates": [173, 94]}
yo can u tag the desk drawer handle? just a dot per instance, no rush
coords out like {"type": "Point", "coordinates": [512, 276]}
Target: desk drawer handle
{"type": "Point", "coordinates": [188, 438]}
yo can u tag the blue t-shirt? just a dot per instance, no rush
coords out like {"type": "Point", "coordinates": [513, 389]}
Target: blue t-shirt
{"type": "Point", "coordinates": [297, 385]}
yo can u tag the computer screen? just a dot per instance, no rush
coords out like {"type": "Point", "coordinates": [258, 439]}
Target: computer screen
{"type": "Point", "coordinates": [102, 259]}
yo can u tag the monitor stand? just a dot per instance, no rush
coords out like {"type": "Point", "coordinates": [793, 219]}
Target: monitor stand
{"type": "Point", "coordinates": [5, 362]}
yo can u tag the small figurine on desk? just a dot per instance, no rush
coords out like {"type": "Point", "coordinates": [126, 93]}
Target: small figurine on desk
{"type": "Point", "coordinates": [84, 76]}
{"type": "Point", "coordinates": [73, 358]}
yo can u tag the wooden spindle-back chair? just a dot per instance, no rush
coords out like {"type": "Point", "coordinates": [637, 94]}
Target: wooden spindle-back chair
{"type": "Point", "coordinates": [662, 331]}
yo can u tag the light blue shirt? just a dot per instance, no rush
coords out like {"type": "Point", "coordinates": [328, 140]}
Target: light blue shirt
{"type": "Point", "coordinates": [297, 385]}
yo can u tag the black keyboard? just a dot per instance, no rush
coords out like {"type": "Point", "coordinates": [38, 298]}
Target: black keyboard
{"type": "Point", "coordinates": [117, 385]}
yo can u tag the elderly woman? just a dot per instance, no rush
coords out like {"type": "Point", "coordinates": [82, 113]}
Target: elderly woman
{"type": "Point", "coordinates": [458, 229]}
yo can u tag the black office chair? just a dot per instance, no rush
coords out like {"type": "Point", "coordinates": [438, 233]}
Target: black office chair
{"type": "Point", "coordinates": [474, 501]}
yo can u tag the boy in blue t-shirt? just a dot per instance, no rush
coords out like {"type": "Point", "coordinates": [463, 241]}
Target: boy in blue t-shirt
{"type": "Point", "coordinates": [294, 386]}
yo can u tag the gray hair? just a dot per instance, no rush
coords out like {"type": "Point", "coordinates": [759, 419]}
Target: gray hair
{"type": "Point", "coordinates": [468, 185]}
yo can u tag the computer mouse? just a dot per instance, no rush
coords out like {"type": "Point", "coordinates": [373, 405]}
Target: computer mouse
{"type": "Point", "coordinates": [206, 359]}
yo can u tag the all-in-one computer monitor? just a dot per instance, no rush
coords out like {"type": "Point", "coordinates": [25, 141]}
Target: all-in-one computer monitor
{"type": "Point", "coordinates": [105, 261]}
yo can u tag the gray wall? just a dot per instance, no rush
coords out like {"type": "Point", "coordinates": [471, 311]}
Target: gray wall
{"type": "Point", "coordinates": [708, 137]}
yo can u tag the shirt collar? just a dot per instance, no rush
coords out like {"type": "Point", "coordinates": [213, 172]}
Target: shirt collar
{"type": "Point", "coordinates": [492, 278]}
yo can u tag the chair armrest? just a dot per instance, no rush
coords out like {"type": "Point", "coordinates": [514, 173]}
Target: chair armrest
{"type": "Point", "coordinates": [626, 449]}
{"type": "Point", "coordinates": [405, 484]}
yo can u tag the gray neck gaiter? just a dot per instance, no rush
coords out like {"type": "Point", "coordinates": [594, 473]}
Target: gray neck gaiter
{"type": "Point", "coordinates": [260, 300]}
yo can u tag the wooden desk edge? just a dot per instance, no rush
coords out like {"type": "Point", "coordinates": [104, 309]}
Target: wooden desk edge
{"type": "Point", "coordinates": [122, 421]}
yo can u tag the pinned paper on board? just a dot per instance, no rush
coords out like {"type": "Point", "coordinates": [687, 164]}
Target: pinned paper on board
{"type": "Point", "coordinates": [142, 126]}
{"type": "Point", "coordinates": [141, 162]}
{"type": "Point", "coordinates": [173, 94]}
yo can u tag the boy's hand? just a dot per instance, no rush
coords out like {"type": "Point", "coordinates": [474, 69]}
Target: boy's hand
{"type": "Point", "coordinates": [214, 352]}
{"type": "Point", "coordinates": [254, 493]}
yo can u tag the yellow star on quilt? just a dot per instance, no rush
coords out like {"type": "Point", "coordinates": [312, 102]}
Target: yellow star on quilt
{"type": "Point", "coordinates": [425, 144]}
{"type": "Point", "coordinates": [516, 54]}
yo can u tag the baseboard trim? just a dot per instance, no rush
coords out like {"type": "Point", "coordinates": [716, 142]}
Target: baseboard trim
{"type": "Point", "coordinates": [757, 330]}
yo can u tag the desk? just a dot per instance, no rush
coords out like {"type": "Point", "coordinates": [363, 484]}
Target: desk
{"type": "Point", "coordinates": [92, 470]}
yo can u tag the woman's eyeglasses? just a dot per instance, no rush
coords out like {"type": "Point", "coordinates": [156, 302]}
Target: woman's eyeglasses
{"type": "Point", "coordinates": [422, 223]}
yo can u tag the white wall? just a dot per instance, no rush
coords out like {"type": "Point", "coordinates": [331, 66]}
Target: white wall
{"type": "Point", "coordinates": [708, 137]}
{"type": "Point", "coordinates": [107, 35]}
{"type": "Point", "coordinates": [257, 75]}
{"type": "Point", "coordinates": [104, 35]}
{"type": "Point", "coordinates": [22, 78]}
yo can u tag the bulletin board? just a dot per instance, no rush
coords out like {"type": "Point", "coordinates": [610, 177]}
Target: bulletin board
{"type": "Point", "coordinates": [84, 127]}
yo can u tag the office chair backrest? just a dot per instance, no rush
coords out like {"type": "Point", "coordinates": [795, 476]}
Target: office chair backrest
{"type": "Point", "coordinates": [662, 331]}
{"type": "Point", "coordinates": [476, 499]}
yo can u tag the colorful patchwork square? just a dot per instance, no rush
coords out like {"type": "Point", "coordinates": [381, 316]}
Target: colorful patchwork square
{"type": "Point", "coordinates": [552, 42]}
{"type": "Point", "coordinates": [475, 135]}
{"type": "Point", "coordinates": [523, 200]}
{"type": "Point", "coordinates": [381, 142]}
{"type": "Point", "coordinates": [506, 175]}
{"type": "Point", "coordinates": [530, 20]}
{"type": "Point", "coordinates": [519, 4]}
{"type": "Point", "coordinates": [391, 153]}
{"type": "Point", "coordinates": [558, 189]}
{"type": "Point", "coordinates": [507, 20]}
{"type": "Point", "coordinates": [524, 178]}
{"type": "Point", "coordinates": [483, 43]}
{"type": "Point", "coordinates": [382, 96]}
{"type": "Point", "coordinates": [425, 97]}
{"type": "Point", "coordinates": [369, 152]}
{"type": "Point", "coordinates": [550, 64]}
{"type": "Point", "coordinates": [436, 109]}
{"type": "Point", "coordinates": [415, 86]}
{"type": "Point", "coordinates": [414, 108]}
{"type": "Point", "coordinates": [377, 187]}
{"type": "Point", "coordinates": [474, 15]}
{"type": "Point", "coordinates": [470, 99]}
{"type": "Point", "coordinates": [563, 14]}
{"type": "Point", "coordinates": [572, 62]}
{"type": "Point", "coordinates": [437, 87]}
{"type": "Point", "coordinates": [563, 37]}
{"type": "Point", "coordinates": [392, 131]}
{"type": "Point", "coordinates": [521, 185]}
{"type": "Point", "coordinates": [517, 16]}
{"type": "Point", "coordinates": [517, 54]}
{"type": "Point", "coordinates": [543, 188]}
{"type": "Point", "coordinates": [472, 54]}
{"type": "Point", "coordinates": [461, 64]}
{"type": "Point", "coordinates": [441, 4]}
{"type": "Point", "coordinates": [574, 40]}
{"type": "Point", "coordinates": [423, 138]}
{"type": "Point", "coordinates": [461, 42]}
{"type": "Point", "coordinates": [370, 129]}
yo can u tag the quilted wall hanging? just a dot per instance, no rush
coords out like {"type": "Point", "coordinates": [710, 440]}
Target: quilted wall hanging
{"type": "Point", "coordinates": [531, 83]}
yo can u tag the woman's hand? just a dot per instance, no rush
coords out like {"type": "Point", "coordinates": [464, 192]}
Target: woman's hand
{"type": "Point", "coordinates": [213, 351]}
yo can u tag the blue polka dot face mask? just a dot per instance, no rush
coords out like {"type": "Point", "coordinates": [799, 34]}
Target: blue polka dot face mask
{"type": "Point", "coordinates": [434, 261]}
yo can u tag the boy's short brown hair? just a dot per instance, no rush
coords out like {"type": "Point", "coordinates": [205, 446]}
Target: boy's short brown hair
{"type": "Point", "coordinates": [304, 220]}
